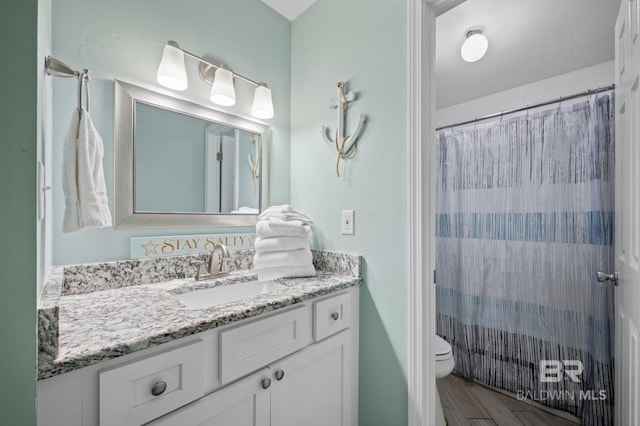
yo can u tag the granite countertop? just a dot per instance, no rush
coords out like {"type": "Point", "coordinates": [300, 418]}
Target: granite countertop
{"type": "Point", "coordinates": [96, 324]}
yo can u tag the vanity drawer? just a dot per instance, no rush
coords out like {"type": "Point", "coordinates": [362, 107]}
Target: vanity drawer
{"type": "Point", "coordinates": [140, 391]}
{"type": "Point", "coordinates": [331, 315]}
{"type": "Point", "coordinates": [249, 347]}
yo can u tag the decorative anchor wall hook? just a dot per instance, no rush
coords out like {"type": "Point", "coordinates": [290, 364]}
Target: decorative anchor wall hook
{"type": "Point", "coordinates": [346, 145]}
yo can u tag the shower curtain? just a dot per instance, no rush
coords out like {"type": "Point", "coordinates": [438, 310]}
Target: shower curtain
{"type": "Point", "coordinates": [524, 222]}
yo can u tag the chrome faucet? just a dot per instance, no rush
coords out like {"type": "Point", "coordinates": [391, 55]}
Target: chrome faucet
{"type": "Point", "coordinates": [212, 268]}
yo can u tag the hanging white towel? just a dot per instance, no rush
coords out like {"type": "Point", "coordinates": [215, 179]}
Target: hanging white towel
{"type": "Point", "coordinates": [85, 192]}
{"type": "Point", "coordinates": [265, 245]}
{"type": "Point", "coordinates": [282, 258]}
{"type": "Point", "coordinates": [267, 274]}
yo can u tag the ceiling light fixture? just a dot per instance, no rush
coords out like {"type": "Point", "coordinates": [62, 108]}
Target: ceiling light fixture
{"type": "Point", "coordinates": [475, 46]}
{"type": "Point", "coordinates": [173, 74]}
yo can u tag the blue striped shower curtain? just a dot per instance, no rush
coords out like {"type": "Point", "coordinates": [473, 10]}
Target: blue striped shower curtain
{"type": "Point", "coordinates": [524, 222]}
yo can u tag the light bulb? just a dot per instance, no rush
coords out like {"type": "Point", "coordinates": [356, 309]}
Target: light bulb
{"type": "Point", "coordinates": [171, 71]}
{"type": "Point", "coordinates": [262, 103]}
{"type": "Point", "coordinates": [474, 47]}
{"type": "Point", "coordinates": [222, 90]}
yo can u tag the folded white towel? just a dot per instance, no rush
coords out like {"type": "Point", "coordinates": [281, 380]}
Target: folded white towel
{"type": "Point", "coordinates": [246, 210]}
{"type": "Point", "coordinates": [267, 274]}
{"type": "Point", "coordinates": [264, 245]}
{"type": "Point", "coordinates": [282, 258]}
{"type": "Point", "coordinates": [86, 204]}
{"type": "Point", "coordinates": [280, 228]}
{"type": "Point", "coordinates": [285, 212]}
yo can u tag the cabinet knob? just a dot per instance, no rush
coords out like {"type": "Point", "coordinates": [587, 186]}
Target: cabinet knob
{"type": "Point", "coordinates": [266, 383]}
{"type": "Point", "coordinates": [335, 316]}
{"type": "Point", "coordinates": [279, 375]}
{"type": "Point", "coordinates": [158, 388]}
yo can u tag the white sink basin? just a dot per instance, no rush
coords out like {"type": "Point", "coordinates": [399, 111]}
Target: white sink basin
{"type": "Point", "coordinates": [202, 299]}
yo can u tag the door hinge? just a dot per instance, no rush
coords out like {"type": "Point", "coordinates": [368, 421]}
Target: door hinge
{"type": "Point", "coordinates": [219, 156]}
{"type": "Point", "coordinates": [434, 276]}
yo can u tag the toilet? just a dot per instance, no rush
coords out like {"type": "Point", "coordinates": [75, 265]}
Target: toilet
{"type": "Point", "coordinates": [444, 367]}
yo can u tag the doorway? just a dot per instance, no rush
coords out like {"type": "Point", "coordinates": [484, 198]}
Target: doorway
{"type": "Point", "coordinates": [428, 182]}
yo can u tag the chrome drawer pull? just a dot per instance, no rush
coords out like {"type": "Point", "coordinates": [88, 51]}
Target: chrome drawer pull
{"type": "Point", "coordinates": [266, 383]}
{"type": "Point", "coordinates": [158, 388]}
{"type": "Point", "coordinates": [279, 375]}
{"type": "Point", "coordinates": [335, 316]}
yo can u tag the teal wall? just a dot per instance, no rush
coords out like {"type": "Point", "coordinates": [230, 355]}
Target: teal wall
{"type": "Point", "coordinates": [123, 39]}
{"type": "Point", "coordinates": [362, 42]}
{"type": "Point", "coordinates": [169, 166]}
{"type": "Point", "coordinates": [19, 76]}
{"type": "Point", "coordinates": [358, 41]}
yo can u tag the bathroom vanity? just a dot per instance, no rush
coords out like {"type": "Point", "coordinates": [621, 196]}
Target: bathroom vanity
{"type": "Point", "coordinates": [133, 349]}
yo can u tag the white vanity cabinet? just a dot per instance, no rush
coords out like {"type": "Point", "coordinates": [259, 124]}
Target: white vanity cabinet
{"type": "Point", "coordinates": [290, 367]}
{"type": "Point", "coordinates": [311, 388]}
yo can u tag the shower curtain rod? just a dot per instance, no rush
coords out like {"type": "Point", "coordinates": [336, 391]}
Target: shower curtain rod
{"type": "Point", "coordinates": [512, 111]}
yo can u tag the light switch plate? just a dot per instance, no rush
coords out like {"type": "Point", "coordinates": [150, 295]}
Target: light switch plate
{"type": "Point", "coordinates": [348, 224]}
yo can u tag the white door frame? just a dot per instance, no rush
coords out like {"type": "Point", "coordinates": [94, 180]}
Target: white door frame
{"type": "Point", "coordinates": [421, 38]}
{"type": "Point", "coordinates": [421, 232]}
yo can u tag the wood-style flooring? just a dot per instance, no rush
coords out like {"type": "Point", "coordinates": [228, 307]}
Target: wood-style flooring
{"type": "Point", "coordinates": [467, 403]}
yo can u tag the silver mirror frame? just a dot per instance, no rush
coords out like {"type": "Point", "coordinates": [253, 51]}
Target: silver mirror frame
{"type": "Point", "coordinates": [126, 96]}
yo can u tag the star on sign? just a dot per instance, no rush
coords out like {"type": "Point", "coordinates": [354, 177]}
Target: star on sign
{"type": "Point", "coordinates": [150, 248]}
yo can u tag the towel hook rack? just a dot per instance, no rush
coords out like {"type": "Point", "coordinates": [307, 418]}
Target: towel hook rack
{"type": "Point", "coordinates": [83, 80]}
{"type": "Point", "coordinates": [57, 68]}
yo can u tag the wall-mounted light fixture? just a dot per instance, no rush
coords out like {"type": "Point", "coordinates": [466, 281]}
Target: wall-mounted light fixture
{"type": "Point", "coordinates": [475, 46]}
{"type": "Point", "coordinates": [173, 74]}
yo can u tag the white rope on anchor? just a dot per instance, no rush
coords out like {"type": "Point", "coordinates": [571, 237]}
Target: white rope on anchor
{"type": "Point", "coordinates": [346, 145]}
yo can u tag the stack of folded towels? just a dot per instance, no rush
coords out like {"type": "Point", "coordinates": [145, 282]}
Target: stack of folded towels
{"type": "Point", "coordinates": [282, 247]}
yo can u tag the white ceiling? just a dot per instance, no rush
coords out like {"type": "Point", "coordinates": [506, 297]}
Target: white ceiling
{"type": "Point", "coordinates": [529, 40]}
{"type": "Point", "coordinates": [290, 9]}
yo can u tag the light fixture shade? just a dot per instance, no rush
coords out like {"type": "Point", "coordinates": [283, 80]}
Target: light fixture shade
{"type": "Point", "coordinates": [262, 103]}
{"type": "Point", "coordinates": [474, 47]}
{"type": "Point", "coordinates": [171, 71]}
{"type": "Point", "coordinates": [222, 90]}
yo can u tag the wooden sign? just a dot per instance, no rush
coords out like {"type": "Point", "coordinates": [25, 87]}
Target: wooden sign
{"type": "Point", "coordinates": [149, 247]}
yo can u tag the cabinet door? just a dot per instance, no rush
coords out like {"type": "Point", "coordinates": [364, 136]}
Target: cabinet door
{"type": "Point", "coordinates": [244, 403]}
{"type": "Point", "coordinates": [313, 386]}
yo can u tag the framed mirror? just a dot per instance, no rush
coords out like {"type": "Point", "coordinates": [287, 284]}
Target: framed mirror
{"type": "Point", "coordinates": [179, 164]}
